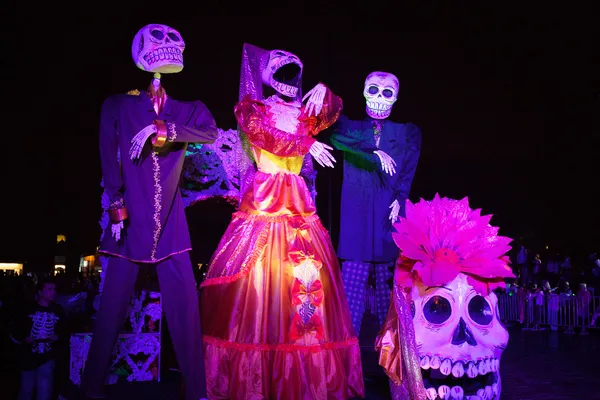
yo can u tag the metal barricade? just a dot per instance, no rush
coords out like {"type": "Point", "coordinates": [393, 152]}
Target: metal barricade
{"type": "Point", "coordinates": [541, 311]}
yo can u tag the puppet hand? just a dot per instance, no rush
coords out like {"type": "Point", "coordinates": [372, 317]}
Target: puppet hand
{"type": "Point", "coordinates": [387, 162]}
{"type": "Point", "coordinates": [320, 152]}
{"type": "Point", "coordinates": [139, 140]}
{"type": "Point", "coordinates": [395, 211]}
{"type": "Point", "coordinates": [315, 102]}
{"type": "Point", "coordinates": [116, 230]}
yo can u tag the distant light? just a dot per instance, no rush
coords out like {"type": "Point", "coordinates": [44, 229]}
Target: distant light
{"type": "Point", "coordinates": [547, 247]}
{"type": "Point", "coordinates": [61, 238]}
{"type": "Point", "coordinates": [60, 267]}
{"type": "Point", "coordinates": [12, 267]}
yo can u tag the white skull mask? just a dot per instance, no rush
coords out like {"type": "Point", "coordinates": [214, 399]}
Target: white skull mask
{"type": "Point", "coordinates": [459, 339]}
{"type": "Point", "coordinates": [283, 73]}
{"type": "Point", "coordinates": [158, 48]}
{"type": "Point", "coordinates": [381, 92]}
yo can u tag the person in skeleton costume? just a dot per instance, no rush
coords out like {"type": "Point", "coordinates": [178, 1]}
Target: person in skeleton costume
{"type": "Point", "coordinates": [38, 330]}
{"type": "Point", "coordinates": [275, 318]}
{"type": "Point", "coordinates": [450, 262]}
{"type": "Point", "coordinates": [143, 140]}
{"type": "Point", "coordinates": [380, 159]}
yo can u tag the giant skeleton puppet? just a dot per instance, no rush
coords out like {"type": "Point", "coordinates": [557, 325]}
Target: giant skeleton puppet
{"type": "Point", "coordinates": [380, 159]}
{"type": "Point", "coordinates": [275, 319]}
{"type": "Point", "coordinates": [450, 262]}
{"type": "Point", "coordinates": [143, 139]}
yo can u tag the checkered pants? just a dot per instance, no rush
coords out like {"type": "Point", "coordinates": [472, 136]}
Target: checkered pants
{"type": "Point", "coordinates": [355, 275]}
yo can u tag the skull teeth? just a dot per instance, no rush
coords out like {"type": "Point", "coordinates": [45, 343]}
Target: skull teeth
{"type": "Point", "coordinates": [284, 89]}
{"type": "Point", "coordinates": [379, 106]}
{"type": "Point", "coordinates": [446, 370]}
{"type": "Point", "coordinates": [457, 393]}
{"type": "Point", "coordinates": [458, 368]}
{"type": "Point", "coordinates": [283, 62]}
{"type": "Point", "coordinates": [164, 54]}
{"type": "Point", "coordinates": [378, 110]}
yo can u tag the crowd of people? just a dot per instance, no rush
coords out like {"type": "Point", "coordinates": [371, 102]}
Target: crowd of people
{"type": "Point", "coordinates": [554, 270]}
{"type": "Point", "coordinates": [551, 290]}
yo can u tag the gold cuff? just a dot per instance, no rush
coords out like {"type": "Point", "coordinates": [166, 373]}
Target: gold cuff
{"type": "Point", "coordinates": [161, 136]}
{"type": "Point", "coordinates": [118, 214]}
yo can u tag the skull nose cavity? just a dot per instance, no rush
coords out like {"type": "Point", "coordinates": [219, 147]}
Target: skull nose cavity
{"type": "Point", "coordinates": [463, 334]}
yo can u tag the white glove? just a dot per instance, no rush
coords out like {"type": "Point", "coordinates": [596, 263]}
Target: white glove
{"type": "Point", "coordinates": [387, 162]}
{"type": "Point", "coordinates": [139, 140]}
{"type": "Point", "coordinates": [395, 211]}
{"type": "Point", "coordinates": [320, 152]}
{"type": "Point", "coordinates": [116, 230]}
{"type": "Point", "coordinates": [315, 102]}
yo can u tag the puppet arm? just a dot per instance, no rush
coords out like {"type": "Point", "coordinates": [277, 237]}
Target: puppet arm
{"type": "Point", "coordinates": [251, 115]}
{"type": "Point", "coordinates": [402, 181]}
{"type": "Point", "coordinates": [343, 140]}
{"type": "Point", "coordinates": [200, 128]}
{"type": "Point", "coordinates": [329, 106]}
{"type": "Point", "coordinates": [109, 158]}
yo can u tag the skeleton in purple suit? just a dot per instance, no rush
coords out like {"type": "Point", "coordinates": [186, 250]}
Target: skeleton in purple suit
{"type": "Point", "coordinates": [380, 159]}
{"type": "Point", "coordinates": [143, 140]}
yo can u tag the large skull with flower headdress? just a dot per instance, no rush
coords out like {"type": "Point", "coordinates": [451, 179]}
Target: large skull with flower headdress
{"type": "Point", "coordinates": [452, 259]}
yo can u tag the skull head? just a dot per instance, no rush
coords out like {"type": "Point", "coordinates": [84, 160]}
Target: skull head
{"type": "Point", "coordinates": [283, 73]}
{"type": "Point", "coordinates": [158, 48]}
{"type": "Point", "coordinates": [381, 92]}
{"type": "Point", "coordinates": [459, 339]}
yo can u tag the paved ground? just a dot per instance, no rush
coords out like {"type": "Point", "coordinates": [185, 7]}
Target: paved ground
{"type": "Point", "coordinates": [536, 366]}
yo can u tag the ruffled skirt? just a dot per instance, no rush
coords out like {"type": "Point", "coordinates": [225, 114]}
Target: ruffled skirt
{"type": "Point", "coordinates": [275, 319]}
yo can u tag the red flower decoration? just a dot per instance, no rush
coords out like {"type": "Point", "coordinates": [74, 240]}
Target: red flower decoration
{"type": "Point", "coordinates": [444, 237]}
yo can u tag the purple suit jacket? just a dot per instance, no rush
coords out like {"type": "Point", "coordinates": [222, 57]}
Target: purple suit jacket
{"type": "Point", "coordinates": [368, 192]}
{"type": "Point", "coordinates": [149, 187]}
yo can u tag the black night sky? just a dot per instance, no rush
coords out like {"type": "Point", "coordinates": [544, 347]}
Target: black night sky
{"type": "Point", "coordinates": [507, 100]}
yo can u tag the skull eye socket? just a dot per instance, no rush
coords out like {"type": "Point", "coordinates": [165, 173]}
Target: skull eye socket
{"type": "Point", "coordinates": [437, 310]}
{"type": "Point", "coordinates": [387, 93]}
{"type": "Point", "coordinates": [373, 90]}
{"type": "Point", "coordinates": [480, 310]}
{"type": "Point", "coordinates": [173, 37]}
{"type": "Point", "coordinates": [157, 34]}
{"type": "Point", "coordinates": [141, 44]}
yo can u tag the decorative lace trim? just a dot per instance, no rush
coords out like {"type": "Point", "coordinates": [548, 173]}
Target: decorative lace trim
{"type": "Point", "coordinates": [157, 204]}
{"type": "Point", "coordinates": [172, 135]}
{"type": "Point", "coordinates": [283, 347]}
{"type": "Point", "coordinates": [284, 115]}
{"type": "Point", "coordinates": [312, 218]}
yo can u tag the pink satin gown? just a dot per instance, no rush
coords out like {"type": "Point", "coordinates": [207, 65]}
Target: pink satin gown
{"type": "Point", "coordinates": [275, 318]}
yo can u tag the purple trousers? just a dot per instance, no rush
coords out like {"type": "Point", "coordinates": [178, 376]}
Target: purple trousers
{"type": "Point", "coordinates": [355, 276]}
{"type": "Point", "coordinates": [180, 304]}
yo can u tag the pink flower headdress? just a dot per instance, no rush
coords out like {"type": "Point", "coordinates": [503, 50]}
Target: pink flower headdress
{"type": "Point", "coordinates": [441, 238]}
